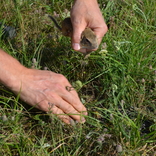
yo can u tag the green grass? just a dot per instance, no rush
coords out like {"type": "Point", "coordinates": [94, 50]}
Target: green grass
{"type": "Point", "coordinates": [117, 83]}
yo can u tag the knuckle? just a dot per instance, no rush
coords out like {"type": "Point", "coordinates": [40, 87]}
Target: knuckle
{"type": "Point", "coordinates": [42, 106]}
{"type": "Point", "coordinates": [68, 109]}
{"type": "Point", "coordinates": [61, 78]}
{"type": "Point", "coordinates": [105, 28]}
{"type": "Point", "coordinates": [59, 87]}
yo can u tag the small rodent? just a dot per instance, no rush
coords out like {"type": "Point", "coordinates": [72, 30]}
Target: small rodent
{"type": "Point", "coordinates": [88, 37]}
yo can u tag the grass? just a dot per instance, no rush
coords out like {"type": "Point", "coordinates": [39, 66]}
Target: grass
{"type": "Point", "coordinates": [117, 83]}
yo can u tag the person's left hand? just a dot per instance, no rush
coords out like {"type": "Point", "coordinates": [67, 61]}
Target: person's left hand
{"type": "Point", "coordinates": [50, 92]}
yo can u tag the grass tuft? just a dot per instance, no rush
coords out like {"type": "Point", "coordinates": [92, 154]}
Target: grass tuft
{"type": "Point", "coordinates": [117, 83]}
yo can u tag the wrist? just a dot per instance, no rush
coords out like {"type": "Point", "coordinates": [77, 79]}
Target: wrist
{"type": "Point", "coordinates": [87, 1]}
{"type": "Point", "coordinates": [11, 72]}
{"type": "Point", "coordinates": [15, 81]}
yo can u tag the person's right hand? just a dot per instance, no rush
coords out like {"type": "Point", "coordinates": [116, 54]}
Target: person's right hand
{"type": "Point", "coordinates": [86, 13]}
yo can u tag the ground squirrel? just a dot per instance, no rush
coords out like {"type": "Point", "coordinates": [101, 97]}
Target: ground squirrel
{"type": "Point", "coordinates": [88, 37]}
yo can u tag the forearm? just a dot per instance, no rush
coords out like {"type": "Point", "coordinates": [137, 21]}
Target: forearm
{"type": "Point", "coordinates": [88, 1]}
{"type": "Point", "coordinates": [10, 71]}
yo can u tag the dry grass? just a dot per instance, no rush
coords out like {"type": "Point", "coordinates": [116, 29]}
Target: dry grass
{"type": "Point", "coordinates": [117, 83]}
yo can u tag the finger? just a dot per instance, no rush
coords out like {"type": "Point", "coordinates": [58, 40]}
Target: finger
{"type": "Point", "coordinates": [63, 103]}
{"type": "Point", "coordinates": [76, 39]}
{"type": "Point", "coordinates": [59, 113]}
{"type": "Point", "coordinates": [86, 51]}
{"type": "Point", "coordinates": [83, 51]}
{"type": "Point", "coordinates": [71, 97]}
{"type": "Point", "coordinates": [100, 32]}
{"type": "Point", "coordinates": [51, 108]}
{"type": "Point", "coordinates": [70, 110]}
{"type": "Point", "coordinates": [59, 94]}
{"type": "Point", "coordinates": [75, 103]}
{"type": "Point", "coordinates": [78, 28]}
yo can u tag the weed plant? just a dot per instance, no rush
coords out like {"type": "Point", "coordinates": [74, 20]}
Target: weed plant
{"type": "Point", "coordinates": [117, 83]}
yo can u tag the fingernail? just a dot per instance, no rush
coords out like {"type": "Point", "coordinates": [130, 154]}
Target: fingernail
{"type": "Point", "coordinates": [83, 120]}
{"type": "Point", "coordinates": [85, 113]}
{"type": "Point", "coordinates": [83, 51]}
{"type": "Point", "coordinates": [72, 122]}
{"type": "Point", "coordinates": [76, 46]}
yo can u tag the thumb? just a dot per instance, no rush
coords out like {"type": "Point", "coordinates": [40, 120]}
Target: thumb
{"type": "Point", "coordinates": [76, 36]}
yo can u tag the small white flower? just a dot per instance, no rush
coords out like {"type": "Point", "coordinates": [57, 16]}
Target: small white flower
{"type": "Point", "coordinates": [4, 118]}
{"type": "Point", "coordinates": [119, 148]}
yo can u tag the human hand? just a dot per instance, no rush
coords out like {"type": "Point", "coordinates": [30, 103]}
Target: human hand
{"type": "Point", "coordinates": [48, 92]}
{"type": "Point", "coordinates": [86, 14]}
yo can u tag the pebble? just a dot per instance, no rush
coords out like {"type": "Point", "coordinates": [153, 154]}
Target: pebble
{"type": "Point", "coordinates": [100, 139]}
{"type": "Point", "coordinates": [154, 154]}
{"type": "Point", "coordinates": [4, 118]}
{"type": "Point", "coordinates": [119, 148]}
{"type": "Point", "coordinates": [13, 118]}
{"type": "Point", "coordinates": [8, 31]}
